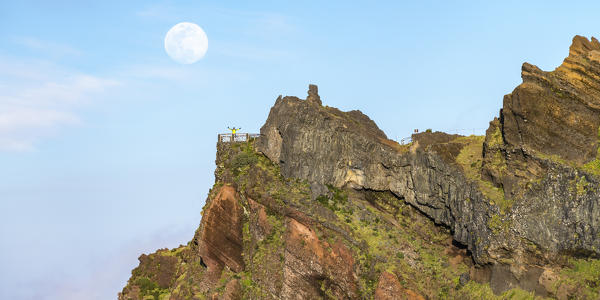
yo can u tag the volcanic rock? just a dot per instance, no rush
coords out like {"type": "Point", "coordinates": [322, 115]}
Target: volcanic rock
{"type": "Point", "coordinates": [324, 205]}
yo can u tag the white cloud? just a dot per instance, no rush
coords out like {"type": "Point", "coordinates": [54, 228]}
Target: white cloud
{"type": "Point", "coordinates": [38, 98]}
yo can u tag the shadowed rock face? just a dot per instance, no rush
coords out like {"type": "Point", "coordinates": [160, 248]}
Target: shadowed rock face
{"type": "Point", "coordinates": [326, 146]}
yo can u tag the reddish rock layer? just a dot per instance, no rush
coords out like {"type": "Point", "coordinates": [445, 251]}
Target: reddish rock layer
{"type": "Point", "coordinates": [389, 288]}
{"type": "Point", "coordinates": [220, 237]}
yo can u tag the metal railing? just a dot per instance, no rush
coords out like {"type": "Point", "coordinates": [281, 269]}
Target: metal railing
{"type": "Point", "coordinates": [238, 137]}
{"type": "Point", "coordinates": [464, 131]}
{"type": "Point", "coordinates": [406, 141]}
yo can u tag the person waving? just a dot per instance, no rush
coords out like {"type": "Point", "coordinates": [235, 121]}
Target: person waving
{"type": "Point", "coordinates": [234, 130]}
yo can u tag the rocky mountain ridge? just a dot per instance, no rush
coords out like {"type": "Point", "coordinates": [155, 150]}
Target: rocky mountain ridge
{"type": "Point", "coordinates": [323, 205]}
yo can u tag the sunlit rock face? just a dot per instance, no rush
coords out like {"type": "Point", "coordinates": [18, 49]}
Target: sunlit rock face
{"type": "Point", "coordinates": [543, 152]}
{"type": "Point", "coordinates": [558, 112]}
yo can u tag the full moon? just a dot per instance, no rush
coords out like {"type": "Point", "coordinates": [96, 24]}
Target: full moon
{"type": "Point", "coordinates": [186, 43]}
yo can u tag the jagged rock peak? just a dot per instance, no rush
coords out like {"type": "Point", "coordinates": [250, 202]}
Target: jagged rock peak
{"type": "Point", "coordinates": [583, 63]}
{"type": "Point", "coordinates": [313, 94]}
{"type": "Point", "coordinates": [581, 45]}
{"type": "Point", "coordinates": [557, 113]}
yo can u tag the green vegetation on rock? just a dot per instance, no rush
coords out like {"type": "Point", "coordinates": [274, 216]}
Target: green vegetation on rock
{"type": "Point", "coordinates": [382, 231]}
{"type": "Point", "coordinates": [495, 139]}
{"type": "Point", "coordinates": [396, 241]}
{"type": "Point", "coordinates": [582, 186]}
{"type": "Point", "coordinates": [591, 167]}
{"type": "Point", "coordinates": [474, 290]}
{"type": "Point", "coordinates": [149, 288]}
{"type": "Point", "coordinates": [385, 234]}
{"type": "Point", "coordinates": [497, 225]}
{"type": "Point", "coordinates": [336, 200]}
{"type": "Point", "coordinates": [243, 161]}
{"type": "Point", "coordinates": [470, 159]}
{"type": "Point", "coordinates": [583, 275]}
{"type": "Point", "coordinates": [594, 165]}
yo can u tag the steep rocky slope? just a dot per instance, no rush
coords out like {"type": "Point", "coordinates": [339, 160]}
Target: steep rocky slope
{"type": "Point", "coordinates": [323, 205]}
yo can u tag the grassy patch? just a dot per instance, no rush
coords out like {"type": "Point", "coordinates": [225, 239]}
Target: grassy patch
{"type": "Point", "coordinates": [243, 161]}
{"type": "Point", "coordinates": [594, 165]}
{"type": "Point", "coordinates": [265, 260]}
{"type": "Point", "coordinates": [474, 290]}
{"type": "Point", "coordinates": [497, 225]}
{"type": "Point", "coordinates": [586, 274]}
{"type": "Point", "coordinates": [583, 276]}
{"type": "Point", "coordinates": [582, 186]}
{"type": "Point", "coordinates": [411, 246]}
{"type": "Point", "coordinates": [498, 162]}
{"type": "Point", "coordinates": [336, 200]}
{"type": "Point", "coordinates": [149, 288]}
{"type": "Point", "coordinates": [495, 138]}
{"type": "Point", "coordinates": [470, 159]}
{"type": "Point", "coordinates": [177, 252]}
{"type": "Point", "coordinates": [557, 159]}
{"type": "Point", "coordinates": [246, 237]}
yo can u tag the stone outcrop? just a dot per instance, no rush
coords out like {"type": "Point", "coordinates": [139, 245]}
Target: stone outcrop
{"type": "Point", "coordinates": [324, 206]}
{"type": "Point", "coordinates": [326, 146]}
{"type": "Point", "coordinates": [557, 113]}
{"type": "Point", "coordinates": [543, 152]}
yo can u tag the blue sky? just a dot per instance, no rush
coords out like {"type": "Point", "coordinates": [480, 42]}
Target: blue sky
{"type": "Point", "coordinates": [107, 146]}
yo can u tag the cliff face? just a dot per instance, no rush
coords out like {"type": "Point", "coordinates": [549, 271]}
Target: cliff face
{"type": "Point", "coordinates": [323, 205]}
{"type": "Point", "coordinates": [328, 147]}
{"type": "Point", "coordinates": [263, 236]}
{"type": "Point", "coordinates": [543, 152]}
{"type": "Point", "coordinates": [556, 113]}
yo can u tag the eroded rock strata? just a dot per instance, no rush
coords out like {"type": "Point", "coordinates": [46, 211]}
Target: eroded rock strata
{"type": "Point", "coordinates": [323, 205]}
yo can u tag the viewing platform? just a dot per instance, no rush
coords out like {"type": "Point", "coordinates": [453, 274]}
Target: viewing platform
{"type": "Point", "coordinates": [237, 137]}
